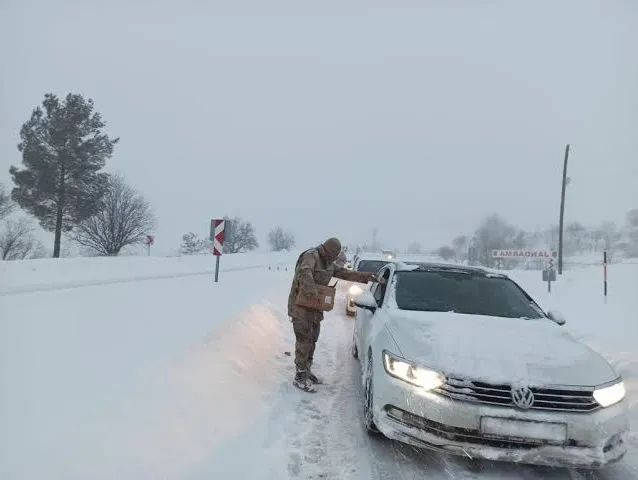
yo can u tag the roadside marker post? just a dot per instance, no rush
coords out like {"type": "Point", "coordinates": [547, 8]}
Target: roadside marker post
{"type": "Point", "coordinates": [150, 239]}
{"type": "Point", "coordinates": [605, 274]}
{"type": "Point", "coordinates": [549, 275]}
{"type": "Point", "coordinates": [217, 227]}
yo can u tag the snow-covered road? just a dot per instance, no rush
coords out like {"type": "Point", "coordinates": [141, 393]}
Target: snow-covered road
{"type": "Point", "coordinates": [182, 378]}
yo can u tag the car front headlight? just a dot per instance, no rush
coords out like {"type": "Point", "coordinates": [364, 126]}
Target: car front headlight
{"type": "Point", "coordinates": [355, 290]}
{"type": "Point", "coordinates": [607, 396]}
{"type": "Point", "coordinates": [418, 376]}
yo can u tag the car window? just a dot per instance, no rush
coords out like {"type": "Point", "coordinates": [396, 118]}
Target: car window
{"type": "Point", "coordinates": [371, 266]}
{"type": "Point", "coordinates": [381, 287]}
{"type": "Point", "coordinates": [460, 292]}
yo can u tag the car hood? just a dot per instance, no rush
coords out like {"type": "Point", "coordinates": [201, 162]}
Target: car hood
{"type": "Point", "coordinates": [497, 350]}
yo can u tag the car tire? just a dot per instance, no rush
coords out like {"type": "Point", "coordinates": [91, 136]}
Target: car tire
{"type": "Point", "coordinates": [368, 406]}
{"type": "Point", "coordinates": [353, 349]}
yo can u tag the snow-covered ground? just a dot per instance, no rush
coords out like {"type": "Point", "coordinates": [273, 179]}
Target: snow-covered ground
{"type": "Point", "coordinates": [47, 274]}
{"type": "Point", "coordinates": [180, 377]}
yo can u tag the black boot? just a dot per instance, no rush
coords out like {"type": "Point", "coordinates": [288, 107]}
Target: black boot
{"type": "Point", "coordinates": [303, 382]}
{"type": "Point", "coordinates": [314, 378]}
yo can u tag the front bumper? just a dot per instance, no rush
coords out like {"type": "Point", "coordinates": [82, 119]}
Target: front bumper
{"type": "Point", "coordinates": [429, 420]}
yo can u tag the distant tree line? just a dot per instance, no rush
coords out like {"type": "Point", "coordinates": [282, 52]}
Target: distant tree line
{"type": "Point", "coordinates": [495, 233]}
{"type": "Point", "coordinates": [61, 183]}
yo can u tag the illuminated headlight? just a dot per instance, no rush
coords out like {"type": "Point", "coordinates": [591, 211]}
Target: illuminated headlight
{"type": "Point", "coordinates": [607, 396]}
{"type": "Point", "coordinates": [355, 290]}
{"type": "Point", "coordinates": [418, 376]}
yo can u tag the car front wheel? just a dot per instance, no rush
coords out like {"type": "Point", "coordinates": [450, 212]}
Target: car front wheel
{"type": "Point", "coordinates": [368, 417]}
{"type": "Point", "coordinates": [354, 350]}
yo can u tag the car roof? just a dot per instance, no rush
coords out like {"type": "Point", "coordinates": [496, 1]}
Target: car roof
{"type": "Point", "coordinates": [410, 266]}
{"type": "Point", "coordinates": [374, 256]}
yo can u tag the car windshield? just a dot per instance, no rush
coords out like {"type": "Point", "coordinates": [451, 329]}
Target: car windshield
{"type": "Point", "coordinates": [463, 292]}
{"type": "Point", "coordinates": [371, 266]}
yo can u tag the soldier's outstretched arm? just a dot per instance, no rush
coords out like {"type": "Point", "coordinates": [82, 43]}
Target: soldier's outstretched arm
{"type": "Point", "coordinates": [349, 275]}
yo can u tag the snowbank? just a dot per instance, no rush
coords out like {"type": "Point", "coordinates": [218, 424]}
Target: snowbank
{"type": "Point", "coordinates": [201, 403]}
{"type": "Point", "coordinates": [137, 380]}
{"type": "Point", "coordinates": [50, 274]}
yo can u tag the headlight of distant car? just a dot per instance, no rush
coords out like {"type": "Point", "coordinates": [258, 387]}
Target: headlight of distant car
{"type": "Point", "coordinates": [419, 376]}
{"type": "Point", "coordinates": [355, 290]}
{"type": "Point", "coordinates": [607, 396]}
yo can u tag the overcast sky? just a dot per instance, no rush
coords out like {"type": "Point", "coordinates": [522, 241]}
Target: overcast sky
{"type": "Point", "coordinates": [333, 117]}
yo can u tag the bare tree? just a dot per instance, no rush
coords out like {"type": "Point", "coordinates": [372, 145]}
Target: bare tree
{"type": "Point", "coordinates": [446, 253]}
{"type": "Point", "coordinates": [191, 244]}
{"type": "Point", "coordinates": [632, 233]}
{"type": "Point", "coordinates": [280, 239]}
{"type": "Point", "coordinates": [610, 238]}
{"type": "Point", "coordinates": [460, 245]}
{"type": "Point", "coordinates": [239, 236]}
{"type": "Point", "coordinates": [39, 251]}
{"type": "Point", "coordinates": [17, 241]}
{"type": "Point", "coordinates": [6, 204]}
{"type": "Point", "coordinates": [415, 248]}
{"type": "Point", "coordinates": [124, 218]}
{"type": "Point", "coordinates": [494, 233]}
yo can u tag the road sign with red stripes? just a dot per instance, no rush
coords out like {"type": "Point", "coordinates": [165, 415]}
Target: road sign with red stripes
{"type": "Point", "coordinates": [217, 235]}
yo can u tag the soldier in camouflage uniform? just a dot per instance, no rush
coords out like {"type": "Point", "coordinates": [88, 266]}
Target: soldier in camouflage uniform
{"type": "Point", "coordinates": [315, 267]}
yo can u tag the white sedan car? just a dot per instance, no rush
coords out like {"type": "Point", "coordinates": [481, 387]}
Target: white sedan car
{"type": "Point", "coordinates": [464, 361]}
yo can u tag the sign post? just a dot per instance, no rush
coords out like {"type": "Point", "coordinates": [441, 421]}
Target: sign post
{"type": "Point", "coordinates": [149, 241]}
{"type": "Point", "coordinates": [549, 275]}
{"type": "Point", "coordinates": [605, 274]}
{"type": "Point", "coordinates": [217, 237]}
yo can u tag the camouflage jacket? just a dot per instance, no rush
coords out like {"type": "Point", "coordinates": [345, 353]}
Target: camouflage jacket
{"type": "Point", "coordinates": [312, 270]}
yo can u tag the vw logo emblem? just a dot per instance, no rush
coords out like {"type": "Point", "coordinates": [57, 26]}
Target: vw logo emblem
{"type": "Point", "coordinates": [522, 397]}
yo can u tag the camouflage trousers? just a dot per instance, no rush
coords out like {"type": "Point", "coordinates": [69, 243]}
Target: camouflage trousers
{"type": "Point", "coordinates": [306, 334]}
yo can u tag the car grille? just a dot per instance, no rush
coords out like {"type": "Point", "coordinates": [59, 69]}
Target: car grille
{"type": "Point", "coordinates": [466, 435]}
{"type": "Point", "coordinates": [561, 399]}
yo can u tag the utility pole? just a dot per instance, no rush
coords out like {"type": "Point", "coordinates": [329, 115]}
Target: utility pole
{"type": "Point", "coordinates": [562, 213]}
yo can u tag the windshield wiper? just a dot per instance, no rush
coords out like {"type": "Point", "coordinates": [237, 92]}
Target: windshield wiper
{"type": "Point", "coordinates": [417, 309]}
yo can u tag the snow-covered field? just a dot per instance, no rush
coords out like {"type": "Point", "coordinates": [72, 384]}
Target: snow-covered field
{"type": "Point", "coordinates": [47, 274]}
{"type": "Point", "coordinates": [176, 376]}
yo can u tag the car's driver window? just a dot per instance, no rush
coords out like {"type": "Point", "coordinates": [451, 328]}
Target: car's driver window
{"type": "Point", "coordinates": [381, 287]}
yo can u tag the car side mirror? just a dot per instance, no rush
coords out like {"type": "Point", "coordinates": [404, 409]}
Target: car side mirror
{"type": "Point", "coordinates": [366, 301]}
{"type": "Point", "coordinates": [557, 317]}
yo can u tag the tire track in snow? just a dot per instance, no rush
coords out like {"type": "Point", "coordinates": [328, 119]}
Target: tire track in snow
{"type": "Point", "coordinates": [319, 431]}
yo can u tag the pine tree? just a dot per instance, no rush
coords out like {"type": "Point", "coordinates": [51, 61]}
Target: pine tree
{"type": "Point", "coordinates": [63, 150]}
